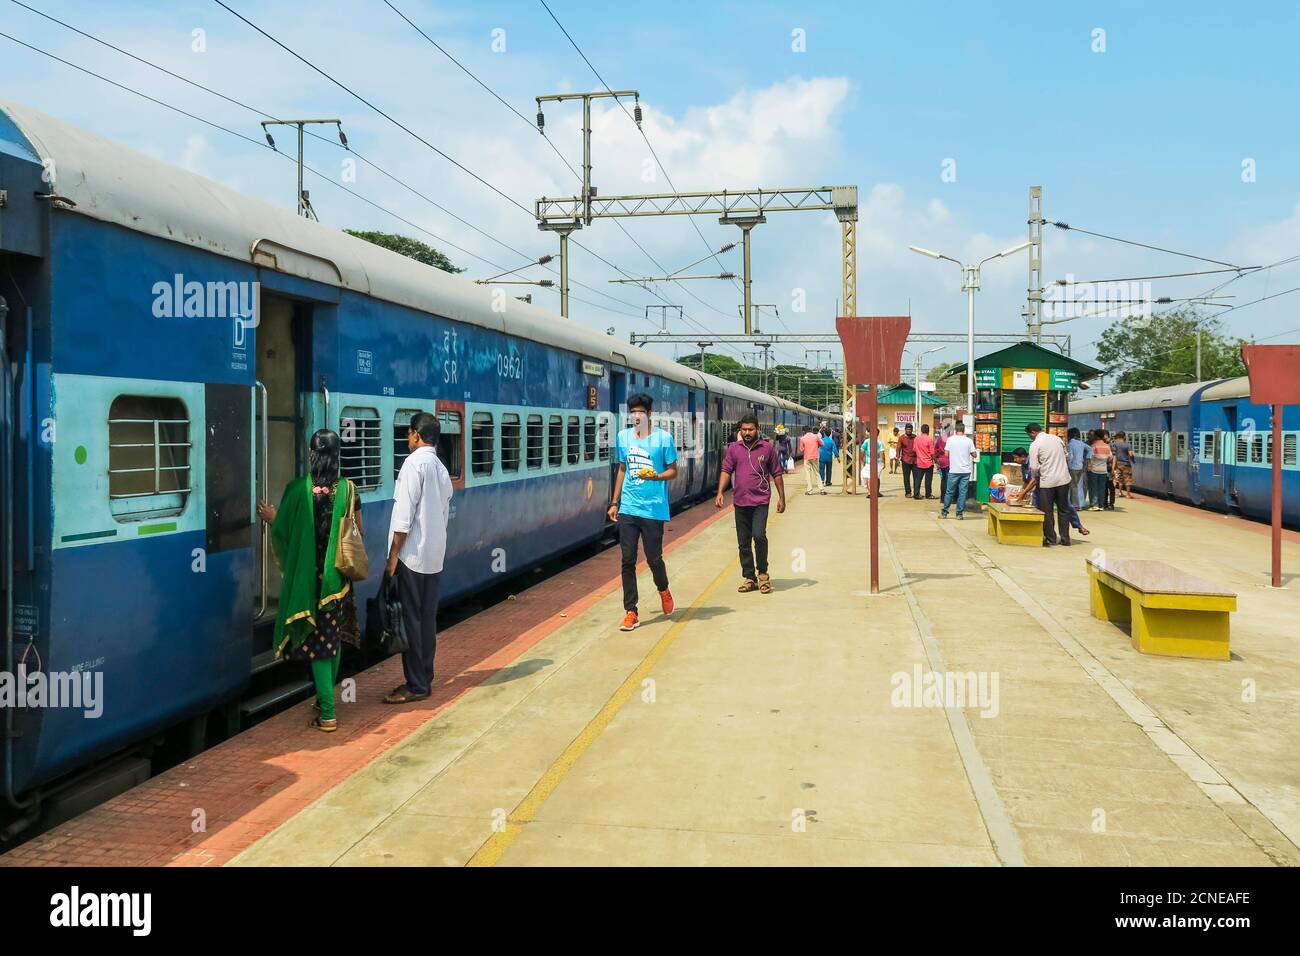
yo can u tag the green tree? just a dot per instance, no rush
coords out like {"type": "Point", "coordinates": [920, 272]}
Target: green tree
{"type": "Point", "coordinates": [405, 246]}
{"type": "Point", "coordinates": [1160, 351]}
{"type": "Point", "coordinates": [947, 389]}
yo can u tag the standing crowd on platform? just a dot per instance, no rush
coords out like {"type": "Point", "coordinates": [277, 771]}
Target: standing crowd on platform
{"type": "Point", "coordinates": [317, 536]}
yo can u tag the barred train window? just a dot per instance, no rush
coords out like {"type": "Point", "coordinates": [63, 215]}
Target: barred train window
{"type": "Point", "coordinates": [589, 438]}
{"type": "Point", "coordinates": [450, 447]}
{"type": "Point", "coordinates": [401, 427]}
{"type": "Point", "coordinates": [1257, 449]}
{"type": "Point", "coordinates": [574, 439]}
{"type": "Point", "coordinates": [482, 438]}
{"type": "Point", "coordinates": [535, 441]}
{"type": "Point", "coordinates": [604, 438]}
{"type": "Point", "coordinates": [359, 447]}
{"type": "Point", "coordinates": [1289, 449]}
{"type": "Point", "coordinates": [509, 442]}
{"type": "Point", "coordinates": [555, 442]}
{"type": "Point", "coordinates": [1242, 449]}
{"type": "Point", "coordinates": [148, 457]}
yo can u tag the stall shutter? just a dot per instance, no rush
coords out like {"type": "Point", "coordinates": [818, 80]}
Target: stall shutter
{"type": "Point", "coordinates": [1021, 408]}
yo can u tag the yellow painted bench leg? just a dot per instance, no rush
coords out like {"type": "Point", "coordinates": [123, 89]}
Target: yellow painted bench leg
{"type": "Point", "coordinates": [1181, 633]}
{"type": "Point", "coordinates": [993, 525]}
{"type": "Point", "coordinates": [1107, 603]}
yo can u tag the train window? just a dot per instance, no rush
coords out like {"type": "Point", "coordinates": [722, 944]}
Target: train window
{"type": "Point", "coordinates": [148, 457]}
{"type": "Point", "coordinates": [574, 437]}
{"type": "Point", "coordinates": [555, 442]}
{"type": "Point", "coordinates": [401, 426]}
{"type": "Point", "coordinates": [482, 438]}
{"type": "Point", "coordinates": [1243, 449]}
{"type": "Point", "coordinates": [1288, 449]}
{"type": "Point", "coordinates": [535, 441]}
{"type": "Point", "coordinates": [359, 447]}
{"type": "Point", "coordinates": [603, 438]}
{"type": "Point", "coordinates": [450, 447]}
{"type": "Point", "coordinates": [1180, 446]}
{"type": "Point", "coordinates": [589, 438]}
{"type": "Point", "coordinates": [1268, 450]}
{"type": "Point", "coordinates": [1257, 449]}
{"type": "Point", "coordinates": [509, 442]}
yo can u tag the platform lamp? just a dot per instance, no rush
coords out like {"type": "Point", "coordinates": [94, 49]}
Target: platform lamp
{"type": "Point", "coordinates": [970, 283]}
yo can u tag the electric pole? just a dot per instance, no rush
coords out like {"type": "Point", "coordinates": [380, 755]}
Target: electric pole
{"type": "Point", "coordinates": [304, 202]}
{"type": "Point", "coordinates": [564, 228]}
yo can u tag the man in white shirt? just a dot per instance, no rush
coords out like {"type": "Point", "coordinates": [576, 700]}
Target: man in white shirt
{"type": "Point", "coordinates": [1051, 462]}
{"type": "Point", "coordinates": [961, 466]}
{"type": "Point", "coordinates": [417, 544]}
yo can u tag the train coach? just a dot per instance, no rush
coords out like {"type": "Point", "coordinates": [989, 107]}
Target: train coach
{"type": "Point", "coordinates": [1204, 443]}
{"type": "Point", "coordinates": [170, 345]}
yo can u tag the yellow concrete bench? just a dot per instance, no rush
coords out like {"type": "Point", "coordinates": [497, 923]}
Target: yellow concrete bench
{"type": "Point", "coordinates": [1016, 524]}
{"type": "Point", "coordinates": [1172, 613]}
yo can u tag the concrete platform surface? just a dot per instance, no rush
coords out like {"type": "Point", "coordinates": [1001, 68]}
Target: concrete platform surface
{"type": "Point", "coordinates": [809, 726]}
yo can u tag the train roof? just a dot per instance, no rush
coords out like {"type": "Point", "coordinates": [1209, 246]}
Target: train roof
{"type": "Point", "coordinates": [1228, 388]}
{"type": "Point", "coordinates": [112, 183]}
{"type": "Point", "coordinates": [1146, 398]}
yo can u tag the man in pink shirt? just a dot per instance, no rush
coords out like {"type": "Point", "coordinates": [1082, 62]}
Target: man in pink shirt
{"type": "Point", "coordinates": [810, 444]}
{"type": "Point", "coordinates": [753, 465]}
{"type": "Point", "coordinates": [924, 448]}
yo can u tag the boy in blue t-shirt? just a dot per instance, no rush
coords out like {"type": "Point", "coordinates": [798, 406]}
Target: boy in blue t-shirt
{"type": "Point", "coordinates": [647, 461]}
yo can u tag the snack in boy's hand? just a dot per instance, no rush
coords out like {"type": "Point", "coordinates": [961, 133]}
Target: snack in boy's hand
{"type": "Point", "coordinates": [647, 473]}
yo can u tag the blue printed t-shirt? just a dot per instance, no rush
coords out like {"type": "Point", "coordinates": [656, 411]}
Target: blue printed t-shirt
{"type": "Point", "coordinates": [641, 498]}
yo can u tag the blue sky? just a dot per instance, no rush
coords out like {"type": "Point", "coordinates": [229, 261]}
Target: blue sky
{"type": "Point", "coordinates": [1145, 140]}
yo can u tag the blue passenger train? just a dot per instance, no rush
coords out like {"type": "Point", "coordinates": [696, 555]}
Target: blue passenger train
{"type": "Point", "coordinates": [169, 346]}
{"type": "Point", "coordinates": [1205, 444]}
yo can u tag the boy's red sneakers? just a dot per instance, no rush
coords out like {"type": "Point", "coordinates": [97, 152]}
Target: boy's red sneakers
{"type": "Point", "coordinates": [666, 601]}
{"type": "Point", "coordinates": [630, 622]}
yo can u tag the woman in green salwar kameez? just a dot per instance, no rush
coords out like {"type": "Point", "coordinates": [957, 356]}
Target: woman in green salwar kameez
{"type": "Point", "coordinates": [317, 607]}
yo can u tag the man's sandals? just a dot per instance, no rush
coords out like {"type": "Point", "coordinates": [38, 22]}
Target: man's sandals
{"type": "Point", "coordinates": [763, 585]}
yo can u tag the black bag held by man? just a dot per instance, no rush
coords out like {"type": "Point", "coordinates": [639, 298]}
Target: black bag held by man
{"type": "Point", "coordinates": [392, 626]}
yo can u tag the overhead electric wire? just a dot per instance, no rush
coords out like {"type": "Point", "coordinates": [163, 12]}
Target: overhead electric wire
{"type": "Point", "coordinates": [1131, 242]}
{"type": "Point", "coordinates": [412, 133]}
{"type": "Point", "coordinates": [306, 166]}
{"type": "Point", "coordinates": [622, 228]}
{"type": "Point", "coordinates": [649, 145]}
{"type": "Point", "coordinates": [1244, 270]}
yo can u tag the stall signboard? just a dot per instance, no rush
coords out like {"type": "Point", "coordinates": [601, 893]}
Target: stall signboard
{"type": "Point", "coordinates": [1021, 379]}
{"type": "Point", "coordinates": [1062, 380]}
{"type": "Point", "coordinates": [988, 377]}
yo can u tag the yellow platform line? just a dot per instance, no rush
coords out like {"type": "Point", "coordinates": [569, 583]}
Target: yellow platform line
{"type": "Point", "coordinates": [490, 853]}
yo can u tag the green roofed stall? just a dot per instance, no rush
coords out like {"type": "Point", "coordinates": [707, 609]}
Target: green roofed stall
{"type": "Point", "coordinates": [1020, 385]}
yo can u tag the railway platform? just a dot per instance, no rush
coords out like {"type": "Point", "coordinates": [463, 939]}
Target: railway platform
{"type": "Point", "coordinates": [807, 726]}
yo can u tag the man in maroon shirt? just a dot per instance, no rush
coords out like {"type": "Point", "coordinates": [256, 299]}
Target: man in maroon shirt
{"type": "Point", "coordinates": [907, 454]}
{"type": "Point", "coordinates": [753, 465]}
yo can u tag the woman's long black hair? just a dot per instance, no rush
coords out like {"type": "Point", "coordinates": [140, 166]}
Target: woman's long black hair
{"type": "Point", "coordinates": [323, 463]}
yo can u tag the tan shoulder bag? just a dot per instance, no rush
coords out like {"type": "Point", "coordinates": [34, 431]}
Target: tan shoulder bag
{"type": "Point", "coordinates": [350, 553]}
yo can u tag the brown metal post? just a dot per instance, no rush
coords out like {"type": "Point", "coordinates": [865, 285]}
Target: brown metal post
{"type": "Point", "coordinates": [1277, 496]}
{"type": "Point", "coordinates": [874, 487]}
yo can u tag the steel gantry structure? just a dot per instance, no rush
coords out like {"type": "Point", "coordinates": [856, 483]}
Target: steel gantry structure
{"type": "Point", "coordinates": [744, 208]}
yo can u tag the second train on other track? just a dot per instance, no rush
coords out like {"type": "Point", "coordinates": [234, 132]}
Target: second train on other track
{"type": "Point", "coordinates": [1205, 444]}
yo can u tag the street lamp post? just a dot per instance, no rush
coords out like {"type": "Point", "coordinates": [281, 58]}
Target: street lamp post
{"type": "Point", "coordinates": [917, 381]}
{"type": "Point", "coordinates": [970, 283]}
